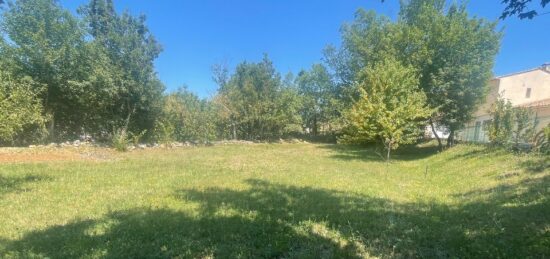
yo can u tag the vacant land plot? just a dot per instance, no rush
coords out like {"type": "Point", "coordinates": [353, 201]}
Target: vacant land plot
{"type": "Point", "coordinates": [276, 200]}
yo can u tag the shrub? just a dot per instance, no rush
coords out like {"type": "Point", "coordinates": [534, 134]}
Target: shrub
{"type": "Point", "coordinates": [136, 138]}
{"type": "Point", "coordinates": [511, 126]}
{"type": "Point", "coordinates": [164, 132]}
{"type": "Point", "coordinates": [21, 119]}
{"type": "Point", "coordinates": [120, 139]}
{"type": "Point", "coordinates": [542, 141]}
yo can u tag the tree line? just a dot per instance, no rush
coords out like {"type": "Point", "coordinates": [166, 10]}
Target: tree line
{"type": "Point", "coordinates": [66, 76]}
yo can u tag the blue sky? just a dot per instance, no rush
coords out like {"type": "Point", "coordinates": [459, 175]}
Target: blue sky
{"type": "Point", "coordinates": [197, 34]}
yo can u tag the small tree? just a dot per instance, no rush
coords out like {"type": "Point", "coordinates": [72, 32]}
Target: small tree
{"type": "Point", "coordinates": [511, 126]}
{"type": "Point", "coordinates": [390, 109]}
{"type": "Point", "coordinates": [501, 126]}
{"type": "Point", "coordinates": [525, 123]}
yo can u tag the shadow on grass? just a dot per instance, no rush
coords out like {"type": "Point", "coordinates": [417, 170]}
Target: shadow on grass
{"type": "Point", "coordinates": [371, 153]}
{"type": "Point", "coordinates": [16, 184]}
{"type": "Point", "coordinates": [536, 164]}
{"type": "Point", "coordinates": [269, 220]}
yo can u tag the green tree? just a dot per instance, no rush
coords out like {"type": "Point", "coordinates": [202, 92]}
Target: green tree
{"type": "Point", "coordinates": [319, 98]}
{"type": "Point", "coordinates": [21, 119]}
{"type": "Point", "coordinates": [511, 126]}
{"type": "Point", "coordinates": [502, 124]}
{"type": "Point", "coordinates": [193, 118]}
{"type": "Point", "coordinates": [45, 45]}
{"type": "Point", "coordinates": [391, 107]}
{"type": "Point", "coordinates": [131, 49]}
{"type": "Point", "coordinates": [257, 103]}
{"type": "Point", "coordinates": [453, 54]}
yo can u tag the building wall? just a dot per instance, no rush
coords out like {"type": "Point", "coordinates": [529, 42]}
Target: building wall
{"type": "Point", "coordinates": [514, 88]}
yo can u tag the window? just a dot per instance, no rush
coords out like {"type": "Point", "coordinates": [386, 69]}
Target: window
{"type": "Point", "coordinates": [477, 131]}
{"type": "Point", "coordinates": [528, 93]}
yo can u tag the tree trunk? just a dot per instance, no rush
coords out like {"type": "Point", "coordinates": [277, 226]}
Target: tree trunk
{"type": "Point", "coordinates": [440, 145]}
{"type": "Point", "coordinates": [51, 128]}
{"type": "Point", "coordinates": [451, 139]}
{"type": "Point", "coordinates": [314, 125]}
{"type": "Point", "coordinates": [388, 151]}
{"type": "Point", "coordinates": [234, 129]}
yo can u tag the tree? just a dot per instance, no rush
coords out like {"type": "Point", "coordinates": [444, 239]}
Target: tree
{"type": "Point", "coordinates": [319, 98]}
{"type": "Point", "coordinates": [131, 49]}
{"type": "Point", "coordinates": [21, 117]}
{"type": "Point", "coordinates": [193, 118]}
{"type": "Point", "coordinates": [45, 44]}
{"type": "Point", "coordinates": [453, 53]}
{"type": "Point", "coordinates": [521, 8]}
{"type": "Point", "coordinates": [511, 126]}
{"type": "Point", "coordinates": [391, 107]}
{"type": "Point", "coordinates": [502, 125]}
{"type": "Point", "coordinates": [258, 105]}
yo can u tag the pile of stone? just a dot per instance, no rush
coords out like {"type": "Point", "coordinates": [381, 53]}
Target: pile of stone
{"type": "Point", "coordinates": [91, 143]}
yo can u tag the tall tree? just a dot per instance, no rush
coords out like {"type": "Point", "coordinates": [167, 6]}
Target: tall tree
{"type": "Point", "coordinates": [319, 98]}
{"type": "Point", "coordinates": [131, 49]}
{"type": "Point", "coordinates": [260, 107]}
{"type": "Point", "coordinates": [46, 43]}
{"type": "Point", "coordinates": [454, 54]}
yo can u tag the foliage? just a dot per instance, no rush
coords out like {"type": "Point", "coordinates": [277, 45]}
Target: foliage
{"type": "Point", "coordinates": [502, 123]}
{"type": "Point", "coordinates": [521, 8]}
{"type": "Point", "coordinates": [120, 139]}
{"type": "Point", "coordinates": [452, 52]}
{"type": "Point", "coordinates": [131, 49]}
{"type": "Point", "coordinates": [92, 74]}
{"type": "Point", "coordinates": [45, 45]}
{"type": "Point", "coordinates": [320, 104]}
{"type": "Point", "coordinates": [511, 126]}
{"type": "Point", "coordinates": [391, 108]}
{"type": "Point", "coordinates": [257, 104]}
{"type": "Point", "coordinates": [525, 123]}
{"type": "Point", "coordinates": [542, 141]}
{"type": "Point", "coordinates": [137, 137]}
{"type": "Point", "coordinates": [164, 132]}
{"type": "Point", "coordinates": [21, 111]}
{"type": "Point", "coordinates": [193, 118]}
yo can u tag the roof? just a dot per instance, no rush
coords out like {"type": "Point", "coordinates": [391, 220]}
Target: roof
{"type": "Point", "coordinates": [541, 68]}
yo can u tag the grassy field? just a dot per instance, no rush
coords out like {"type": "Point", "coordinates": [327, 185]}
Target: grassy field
{"type": "Point", "coordinates": [274, 200]}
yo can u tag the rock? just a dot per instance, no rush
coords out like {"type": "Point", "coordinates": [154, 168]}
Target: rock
{"type": "Point", "coordinates": [76, 143]}
{"type": "Point", "coordinates": [51, 145]}
{"type": "Point", "coordinates": [32, 146]}
{"type": "Point", "coordinates": [142, 146]}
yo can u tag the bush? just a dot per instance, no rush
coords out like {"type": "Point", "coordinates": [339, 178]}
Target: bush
{"type": "Point", "coordinates": [120, 139]}
{"type": "Point", "coordinates": [542, 141]}
{"type": "Point", "coordinates": [164, 132]}
{"type": "Point", "coordinates": [136, 138]}
{"type": "Point", "coordinates": [21, 119]}
{"type": "Point", "coordinates": [511, 126]}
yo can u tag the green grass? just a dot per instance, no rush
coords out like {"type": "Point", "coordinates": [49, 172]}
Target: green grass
{"type": "Point", "coordinates": [278, 200]}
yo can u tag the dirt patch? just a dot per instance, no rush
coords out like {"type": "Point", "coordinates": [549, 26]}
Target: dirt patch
{"type": "Point", "coordinates": [18, 155]}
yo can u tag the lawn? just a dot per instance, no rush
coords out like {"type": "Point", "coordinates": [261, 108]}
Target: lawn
{"type": "Point", "coordinates": [274, 201]}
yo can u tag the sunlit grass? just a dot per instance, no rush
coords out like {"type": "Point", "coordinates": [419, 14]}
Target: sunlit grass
{"type": "Point", "coordinates": [278, 200]}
